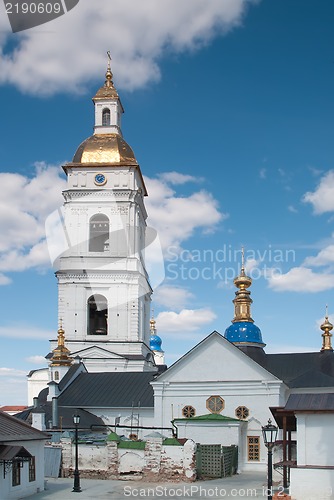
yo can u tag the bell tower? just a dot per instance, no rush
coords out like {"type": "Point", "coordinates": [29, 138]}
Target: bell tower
{"type": "Point", "coordinates": [103, 290]}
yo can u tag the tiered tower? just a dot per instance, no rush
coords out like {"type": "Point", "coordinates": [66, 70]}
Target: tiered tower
{"type": "Point", "coordinates": [104, 293]}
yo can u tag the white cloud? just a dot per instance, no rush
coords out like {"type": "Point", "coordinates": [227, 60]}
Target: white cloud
{"type": "Point", "coordinates": [251, 264]}
{"type": "Point", "coordinates": [176, 218]}
{"type": "Point", "coordinates": [69, 52]}
{"type": "Point", "coordinates": [4, 280]}
{"type": "Point", "coordinates": [172, 297]}
{"type": "Point", "coordinates": [178, 178]}
{"type": "Point", "coordinates": [301, 279]}
{"type": "Point", "coordinates": [187, 320]}
{"type": "Point", "coordinates": [19, 331]}
{"type": "Point", "coordinates": [22, 217]}
{"type": "Point", "coordinates": [11, 372]}
{"type": "Point", "coordinates": [263, 173]}
{"type": "Point", "coordinates": [324, 257]}
{"type": "Point", "coordinates": [13, 387]}
{"type": "Point", "coordinates": [36, 360]}
{"type": "Point", "coordinates": [292, 209]}
{"type": "Point", "coordinates": [322, 199]}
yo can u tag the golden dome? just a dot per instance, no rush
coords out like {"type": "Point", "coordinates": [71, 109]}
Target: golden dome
{"type": "Point", "coordinates": [105, 148]}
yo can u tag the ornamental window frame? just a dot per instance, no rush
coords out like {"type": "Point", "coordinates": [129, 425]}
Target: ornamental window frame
{"type": "Point", "coordinates": [253, 448]}
{"type": "Point", "coordinates": [242, 412]}
{"type": "Point", "coordinates": [215, 404]}
{"type": "Point", "coordinates": [188, 411]}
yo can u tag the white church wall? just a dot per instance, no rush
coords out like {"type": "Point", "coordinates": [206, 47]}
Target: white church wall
{"type": "Point", "coordinates": [37, 381]}
{"type": "Point", "coordinates": [255, 396]}
{"type": "Point", "coordinates": [315, 436]}
{"type": "Point", "coordinates": [311, 484]}
{"type": "Point", "coordinates": [209, 432]}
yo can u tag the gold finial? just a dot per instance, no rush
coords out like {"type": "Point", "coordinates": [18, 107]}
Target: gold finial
{"type": "Point", "coordinates": [109, 75]}
{"type": "Point", "coordinates": [107, 91]}
{"type": "Point", "coordinates": [61, 355]}
{"type": "Point", "coordinates": [242, 301]}
{"type": "Point", "coordinates": [152, 324]}
{"type": "Point", "coordinates": [242, 260]}
{"type": "Point", "coordinates": [326, 327]}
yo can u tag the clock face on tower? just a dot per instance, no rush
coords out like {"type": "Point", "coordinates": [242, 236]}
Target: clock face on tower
{"type": "Point", "coordinates": [100, 179]}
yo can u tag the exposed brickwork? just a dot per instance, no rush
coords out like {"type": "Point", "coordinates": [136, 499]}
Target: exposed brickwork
{"type": "Point", "coordinates": [112, 460]}
{"type": "Point", "coordinates": [161, 463]}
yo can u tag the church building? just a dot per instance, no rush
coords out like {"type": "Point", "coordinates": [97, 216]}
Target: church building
{"type": "Point", "coordinates": [108, 360]}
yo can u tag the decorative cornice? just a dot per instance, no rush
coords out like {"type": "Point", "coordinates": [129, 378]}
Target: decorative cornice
{"type": "Point", "coordinates": [102, 275]}
{"type": "Point", "coordinates": [70, 194]}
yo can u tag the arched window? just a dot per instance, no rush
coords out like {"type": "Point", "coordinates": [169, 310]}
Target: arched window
{"type": "Point", "coordinates": [97, 315]}
{"type": "Point", "coordinates": [57, 375]}
{"type": "Point", "coordinates": [99, 233]}
{"type": "Point", "coordinates": [106, 117]}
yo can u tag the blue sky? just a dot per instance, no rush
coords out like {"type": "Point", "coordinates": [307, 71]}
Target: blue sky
{"type": "Point", "coordinates": [229, 109]}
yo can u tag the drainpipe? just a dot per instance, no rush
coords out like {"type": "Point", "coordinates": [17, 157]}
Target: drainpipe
{"type": "Point", "coordinates": [55, 412]}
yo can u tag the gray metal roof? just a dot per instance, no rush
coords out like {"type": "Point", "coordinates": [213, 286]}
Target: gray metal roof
{"type": "Point", "coordinates": [65, 416]}
{"type": "Point", "coordinates": [298, 369]}
{"type": "Point", "coordinates": [8, 452]}
{"type": "Point", "coordinates": [13, 429]}
{"type": "Point", "coordinates": [112, 390]}
{"type": "Point", "coordinates": [69, 375]}
{"type": "Point", "coordinates": [310, 402]}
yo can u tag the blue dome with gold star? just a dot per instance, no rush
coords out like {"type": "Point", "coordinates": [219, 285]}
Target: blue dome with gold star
{"type": "Point", "coordinates": [155, 340]}
{"type": "Point", "coordinates": [244, 331]}
{"type": "Point", "coordinates": [155, 343]}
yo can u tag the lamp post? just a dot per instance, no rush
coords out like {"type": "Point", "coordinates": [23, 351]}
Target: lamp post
{"type": "Point", "coordinates": [269, 432]}
{"type": "Point", "coordinates": [76, 485]}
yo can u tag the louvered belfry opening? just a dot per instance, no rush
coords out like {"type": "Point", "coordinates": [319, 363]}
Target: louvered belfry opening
{"type": "Point", "coordinates": [99, 233]}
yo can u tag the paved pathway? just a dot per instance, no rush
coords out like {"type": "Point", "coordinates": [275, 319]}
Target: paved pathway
{"type": "Point", "coordinates": [246, 485]}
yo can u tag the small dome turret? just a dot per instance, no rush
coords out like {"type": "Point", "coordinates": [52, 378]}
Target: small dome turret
{"type": "Point", "coordinates": [326, 327]}
{"type": "Point", "coordinates": [243, 331]}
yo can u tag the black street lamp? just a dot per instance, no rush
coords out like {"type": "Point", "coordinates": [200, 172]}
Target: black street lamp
{"type": "Point", "coordinates": [269, 432]}
{"type": "Point", "coordinates": [76, 486]}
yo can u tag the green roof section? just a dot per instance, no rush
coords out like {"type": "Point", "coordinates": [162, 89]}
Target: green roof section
{"type": "Point", "coordinates": [113, 437]}
{"type": "Point", "coordinates": [171, 442]}
{"type": "Point", "coordinates": [132, 445]}
{"type": "Point", "coordinates": [214, 417]}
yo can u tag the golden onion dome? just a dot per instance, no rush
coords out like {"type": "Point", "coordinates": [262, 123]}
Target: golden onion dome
{"type": "Point", "coordinates": [105, 148]}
